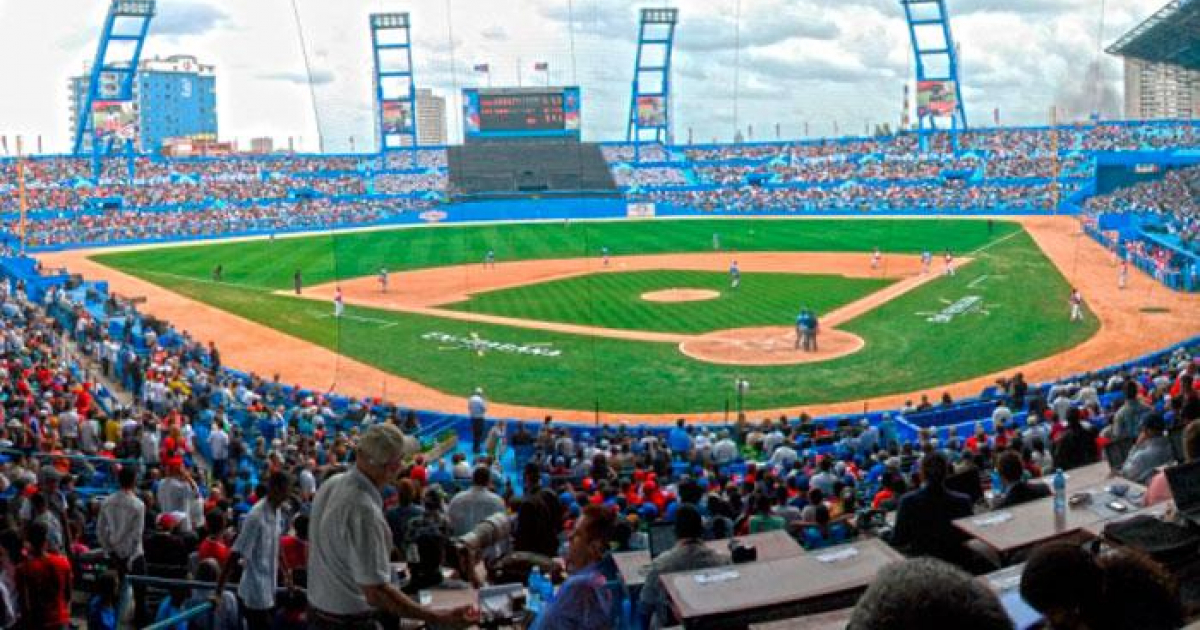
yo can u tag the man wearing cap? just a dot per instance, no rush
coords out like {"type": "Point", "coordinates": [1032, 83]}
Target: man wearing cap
{"type": "Point", "coordinates": [476, 409]}
{"type": "Point", "coordinates": [349, 578]}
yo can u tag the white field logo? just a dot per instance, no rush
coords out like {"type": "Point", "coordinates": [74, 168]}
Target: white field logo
{"type": "Point", "coordinates": [478, 345]}
{"type": "Point", "coordinates": [964, 305]}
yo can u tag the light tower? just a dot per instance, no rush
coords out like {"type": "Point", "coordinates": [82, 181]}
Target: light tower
{"type": "Point", "coordinates": [650, 98]}
{"type": "Point", "coordinates": [107, 115]}
{"type": "Point", "coordinates": [395, 89]}
{"type": "Point", "coordinates": [939, 93]}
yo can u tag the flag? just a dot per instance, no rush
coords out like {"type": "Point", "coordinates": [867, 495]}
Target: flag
{"type": "Point", "coordinates": [4, 143]}
{"type": "Point", "coordinates": [481, 67]}
{"type": "Point", "coordinates": [541, 66]}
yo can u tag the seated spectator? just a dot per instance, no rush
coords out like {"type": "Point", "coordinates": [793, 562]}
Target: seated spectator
{"type": "Point", "coordinates": [925, 593]}
{"type": "Point", "coordinates": [824, 532]}
{"type": "Point", "coordinates": [1077, 445]}
{"type": "Point", "coordinates": [584, 601]}
{"type": "Point", "coordinates": [1121, 590]}
{"type": "Point", "coordinates": [689, 553]}
{"type": "Point", "coordinates": [1152, 449]}
{"type": "Point", "coordinates": [763, 520]}
{"type": "Point", "coordinates": [1017, 489]}
{"type": "Point", "coordinates": [924, 521]}
{"type": "Point", "coordinates": [1158, 489]}
{"type": "Point", "coordinates": [102, 607]}
{"type": "Point", "coordinates": [475, 504]}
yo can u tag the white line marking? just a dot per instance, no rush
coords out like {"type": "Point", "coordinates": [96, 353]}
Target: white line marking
{"type": "Point", "coordinates": [996, 242]}
{"type": "Point", "coordinates": [977, 281]}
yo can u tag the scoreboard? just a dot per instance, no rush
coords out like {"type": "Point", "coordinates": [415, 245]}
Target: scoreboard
{"type": "Point", "coordinates": [521, 113]}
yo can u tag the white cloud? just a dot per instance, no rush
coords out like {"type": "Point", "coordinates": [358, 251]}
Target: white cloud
{"type": "Point", "coordinates": [813, 61]}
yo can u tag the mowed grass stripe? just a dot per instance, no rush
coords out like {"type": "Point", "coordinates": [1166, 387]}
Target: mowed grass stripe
{"type": "Point", "coordinates": [613, 299]}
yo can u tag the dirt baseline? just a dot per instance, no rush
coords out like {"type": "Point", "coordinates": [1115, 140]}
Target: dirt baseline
{"type": "Point", "coordinates": [1125, 333]}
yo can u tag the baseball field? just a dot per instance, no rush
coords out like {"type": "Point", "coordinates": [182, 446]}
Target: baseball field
{"type": "Point", "coordinates": [655, 329]}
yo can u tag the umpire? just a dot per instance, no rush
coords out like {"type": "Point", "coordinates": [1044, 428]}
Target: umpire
{"type": "Point", "coordinates": [477, 409]}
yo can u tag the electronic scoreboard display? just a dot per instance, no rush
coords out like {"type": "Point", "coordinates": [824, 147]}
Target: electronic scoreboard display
{"type": "Point", "coordinates": [521, 112]}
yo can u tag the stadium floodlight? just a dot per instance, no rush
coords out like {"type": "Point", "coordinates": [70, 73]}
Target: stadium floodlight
{"type": "Point", "coordinates": [660, 16]}
{"type": "Point", "coordinates": [389, 20]}
{"type": "Point", "coordinates": [135, 8]}
{"type": "Point", "coordinates": [650, 97]}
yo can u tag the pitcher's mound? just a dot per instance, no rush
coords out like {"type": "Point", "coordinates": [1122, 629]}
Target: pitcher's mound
{"type": "Point", "coordinates": [680, 295]}
{"type": "Point", "coordinates": [771, 345]}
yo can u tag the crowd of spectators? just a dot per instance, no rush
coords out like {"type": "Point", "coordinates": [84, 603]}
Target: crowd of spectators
{"type": "Point", "coordinates": [218, 477]}
{"type": "Point", "coordinates": [125, 225]}
{"type": "Point", "coordinates": [1173, 202]}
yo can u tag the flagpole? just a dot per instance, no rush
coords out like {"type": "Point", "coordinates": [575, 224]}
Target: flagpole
{"type": "Point", "coordinates": [519, 72]}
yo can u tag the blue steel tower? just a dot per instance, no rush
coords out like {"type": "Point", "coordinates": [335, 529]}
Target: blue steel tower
{"type": "Point", "coordinates": [114, 71]}
{"type": "Point", "coordinates": [650, 98]}
{"type": "Point", "coordinates": [937, 62]}
{"type": "Point", "coordinates": [395, 89]}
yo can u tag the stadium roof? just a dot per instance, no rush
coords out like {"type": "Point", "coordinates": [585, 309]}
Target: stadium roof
{"type": "Point", "coordinates": [1171, 35]}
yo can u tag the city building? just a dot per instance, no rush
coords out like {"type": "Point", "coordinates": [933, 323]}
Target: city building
{"type": "Point", "coordinates": [1160, 91]}
{"type": "Point", "coordinates": [174, 98]}
{"type": "Point", "coordinates": [431, 118]}
{"type": "Point", "coordinates": [262, 145]}
{"type": "Point", "coordinates": [1162, 64]}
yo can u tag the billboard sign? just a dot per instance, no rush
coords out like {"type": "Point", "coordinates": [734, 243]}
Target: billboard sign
{"type": "Point", "coordinates": [936, 98]}
{"type": "Point", "coordinates": [651, 111]}
{"type": "Point", "coordinates": [397, 117]}
{"type": "Point", "coordinates": [114, 120]}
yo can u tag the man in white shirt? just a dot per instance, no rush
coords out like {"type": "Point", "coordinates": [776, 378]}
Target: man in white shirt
{"type": "Point", "coordinates": [150, 444]}
{"type": "Point", "coordinates": [218, 450]}
{"type": "Point", "coordinates": [472, 506]}
{"type": "Point", "coordinates": [725, 450]}
{"type": "Point", "coordinates": [89, 436]}
{"type": "Point", "coordinates": [119, 530]}
{"type": "Point", "coordinates": [177, 492]}
{"type": "Point", "coordinates": [257, 545]}
{"type": "Point", "coordinates": [349, 577]}
{"type": "Point", "coordinates": [68, 428]}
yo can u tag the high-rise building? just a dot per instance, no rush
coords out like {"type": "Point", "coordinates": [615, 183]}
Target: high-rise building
{"type": "Point", "coordinates": [431, 118]}
{"type": "Point", "coordinates": [263, 145]}
{"type": "Point", "coordinates": [174, 97]}
{"type": "Point", "coordinates": [1155, 90]}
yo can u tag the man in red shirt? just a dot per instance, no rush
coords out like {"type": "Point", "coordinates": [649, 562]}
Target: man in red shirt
{"type": "Point", "coordinates": [44, 584]}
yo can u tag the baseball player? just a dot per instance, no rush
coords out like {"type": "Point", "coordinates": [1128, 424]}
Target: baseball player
{"type": "Point", "coordinates": [801, 331]}
{"type": "Point", "coordinates": [297, 281]}
{"type": "Point", "coordinates": [716, 242]}
{"type": "Point", "coordinates": [1076, 305]}
{"type": "Point", "coordinates": [1123, 274]}
{"type": "Point", "coordinates": [735, 275]}
{"type": "Point", "coordinates": [926, 261]}
{"type": "Point", "coordinates": [949, 258]}
{"type": "Point", "coordinates": [875, 258]}
{"type": "Point", "coordinates": [339, 304]}
{"type": "Point", "coordinates": [604, 253]}
{"type": "Point", "coordinates": [489, 260]}
{"type": "Point", "coordinates": [383, 279]}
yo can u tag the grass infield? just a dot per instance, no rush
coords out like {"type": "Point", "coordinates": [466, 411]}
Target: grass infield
{"type": "Point", "coordinates": [1017, 309]}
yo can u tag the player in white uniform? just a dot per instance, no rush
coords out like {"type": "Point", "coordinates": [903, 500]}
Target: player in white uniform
{"type": "Point", "coordinates": [735, 276]}
{"type": "Point", "coordinates": [1123, 274]}
{"type": "Point", "coordinates": [1076, 305]}
{"type": "Point", "coordinates": [949, 258]}
{"type": "Point", "coordinates": [383, 279]}
{"type": "Point", "coordinates": [926, 261]}
{"type": "Point", "coordinates": [489, 260]}
{"type": "Point", "coordinates": [875, 258]}
{"type": "Point", "coordinates": [339, 304]}
{"type": "Point", "coordinates": [604, 253]}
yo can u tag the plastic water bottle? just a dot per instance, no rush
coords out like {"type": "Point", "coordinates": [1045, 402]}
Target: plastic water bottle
{"type": "Point", "coordinates": [535, 590]}
{"type": "Point", "coordinates": [1060, 492]}
{"type": "Point", "coordinates": [997, 484]}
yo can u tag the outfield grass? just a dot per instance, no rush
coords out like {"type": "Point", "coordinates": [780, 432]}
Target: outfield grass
{"type": "Point", "coordinates": [1024, 297]}
{"type": "Point", "coordinates": [613, 299]}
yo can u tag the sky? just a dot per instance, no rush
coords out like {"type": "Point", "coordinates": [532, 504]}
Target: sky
{"type": "Point", "coordinates": [810, 67]}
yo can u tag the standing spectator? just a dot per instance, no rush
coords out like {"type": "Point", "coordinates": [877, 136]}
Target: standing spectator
{"type": "Point", "coordinates": [43, 583]}
{"type": "Point", "coordinates": [119, 531]}
{"type": "Point", "coordinates": [476, 409]}
{"type": "Point", "coordinates": [177, 492]}
{"type": "Point", "coordinates": [258, 545]}
{"type": "Point", "coordinates": [349, 577]}
{"type": "Point", "coordinates": [474, 505]}
{"type": "Point", "coordinates": [218, 450]}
